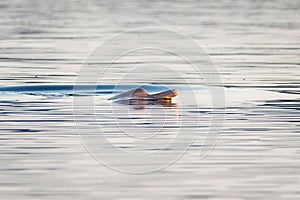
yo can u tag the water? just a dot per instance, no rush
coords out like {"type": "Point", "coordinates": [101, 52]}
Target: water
{"type": "Point", "coordinates": [255, 46]}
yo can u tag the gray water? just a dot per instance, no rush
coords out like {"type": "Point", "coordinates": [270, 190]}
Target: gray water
{"type": "Point", "coordinates": [256, 47]}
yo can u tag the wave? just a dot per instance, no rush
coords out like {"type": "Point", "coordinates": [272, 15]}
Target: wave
{"type": "Point", "coordinates": [89, 89]}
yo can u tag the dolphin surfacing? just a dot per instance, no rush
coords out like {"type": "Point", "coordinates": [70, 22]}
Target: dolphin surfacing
{"type": "Point", "coordinates": [142, 94]}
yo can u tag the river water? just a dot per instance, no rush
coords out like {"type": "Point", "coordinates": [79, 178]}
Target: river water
{"type": "Point", "coordinates": [48, 147]}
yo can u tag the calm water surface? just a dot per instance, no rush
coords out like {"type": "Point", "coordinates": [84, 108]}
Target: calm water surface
{"type": "Point", "coordinates": [256, 46]}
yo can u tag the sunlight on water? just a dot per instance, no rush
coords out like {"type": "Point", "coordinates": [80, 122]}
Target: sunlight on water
{"type": "Point", "coordinates": [255, 46]}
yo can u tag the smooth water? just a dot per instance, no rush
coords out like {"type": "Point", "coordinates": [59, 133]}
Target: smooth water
{"type": "Point", "coordinates": [256, 47]}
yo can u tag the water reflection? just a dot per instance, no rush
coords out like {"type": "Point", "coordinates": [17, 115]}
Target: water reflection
{"type": "Point", "coordinates": [143, 104]}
